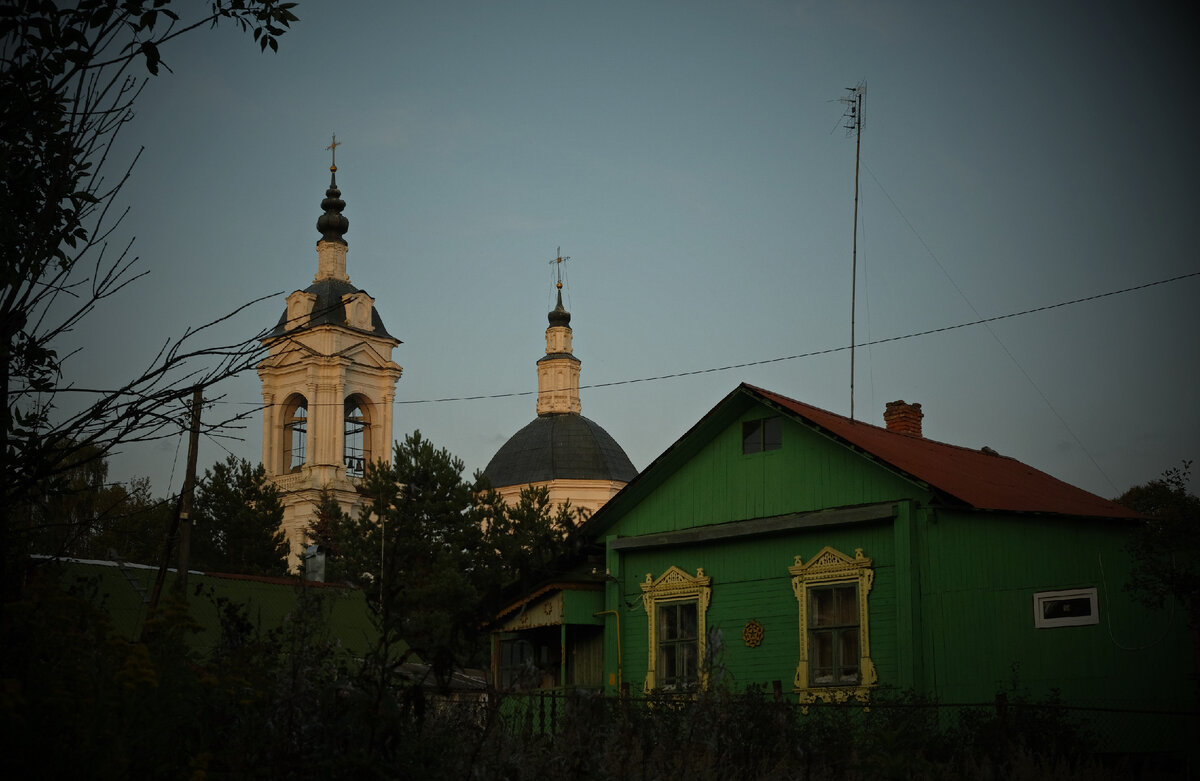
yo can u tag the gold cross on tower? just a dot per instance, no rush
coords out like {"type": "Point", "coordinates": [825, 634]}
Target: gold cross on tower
{"type": "Point", "coordinates": [558, 261]}
{"type": "Point", "coordinates": [333, 153]}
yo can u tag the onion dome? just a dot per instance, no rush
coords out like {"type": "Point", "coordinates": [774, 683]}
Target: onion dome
{"type": "Point", "coordinates": [333, 224]}
{"type": "Point", "coordinates": [559, 316]}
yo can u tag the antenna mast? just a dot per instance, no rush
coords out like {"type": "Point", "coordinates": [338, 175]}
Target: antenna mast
{"type": "Point", "coordinates": [854, 124]}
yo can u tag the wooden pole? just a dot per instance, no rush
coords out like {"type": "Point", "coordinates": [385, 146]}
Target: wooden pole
{"type": "Point", "coordinates": [189, 488]}
{"type": "Point", "coordinates": [188, 484]}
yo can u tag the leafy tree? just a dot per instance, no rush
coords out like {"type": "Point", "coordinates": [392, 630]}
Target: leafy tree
{"type": "Point", "coordinates": [237, 521]}
{"type": "Point", "coordinates": [419, 550]}
{"type": "Point", "coordinates": [1166, 547]}
{"type": "Point", "coordinates": [70, 74]}
{"type": "Point", "coordinates": [323, 532]}
{"type": "Point", "coordinates": [433, 550]}
{"type": "Point", "coordinates": [528, 537]}
{"type": "Point", "coordinates": [133, 529]}
{"type": "Point", "coordinates": [81, 514]}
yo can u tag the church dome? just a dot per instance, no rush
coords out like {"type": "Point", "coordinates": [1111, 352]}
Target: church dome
{"type": "Point", "coordinates": [560, 446]}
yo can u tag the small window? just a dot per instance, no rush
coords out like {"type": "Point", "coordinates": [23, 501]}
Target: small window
{"type": "Point", "coordinates": [1075, 607]}
{"type": "Point", "coordinates": [762, 434]}
{"type": "Point", "coordinates": [678, 645]}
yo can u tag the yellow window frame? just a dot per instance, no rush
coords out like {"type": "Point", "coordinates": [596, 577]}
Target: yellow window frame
{"type": "Point", "coordinates": [675, 585]}
{"type": "Point", "coordinates": [832, 567]}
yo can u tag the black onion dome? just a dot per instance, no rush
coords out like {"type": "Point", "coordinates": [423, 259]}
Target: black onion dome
{"type": "Point", "coordinates": [328, 309]}
{"type": "Point", "coordinates": [561, 445]}
{"type": "Point", "coordinates": [559, 316]}
{"type": "Point", "coordinates": [333, 224]}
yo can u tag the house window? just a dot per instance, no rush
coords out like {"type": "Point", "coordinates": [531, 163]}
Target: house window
{"type": "Point", "coordinates": [295, 433]}
{"type": "Point", "coordinates": [676, 604]}
{"type": "Point", "coordinates": [835, 653]}
{"type": "Point", "coordinates": [1074, 607]}
{"type": "Point", "coordinates": [678, 645]}
{"type": "Point", "coordinates": [833, 635]}
{"type": "Point", "coordinates": [356, 450]}
{"type": "Point", "coordinates": [762, 434]}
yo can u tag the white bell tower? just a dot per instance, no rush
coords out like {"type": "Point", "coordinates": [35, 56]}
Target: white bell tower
{"type": "Point", "coordinates": [328, 383]}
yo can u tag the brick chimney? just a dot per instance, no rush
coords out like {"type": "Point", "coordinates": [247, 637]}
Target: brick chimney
{"type": "Point", "coordinates": [903, 418]}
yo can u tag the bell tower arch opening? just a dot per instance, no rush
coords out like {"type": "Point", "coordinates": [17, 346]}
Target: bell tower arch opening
{"type": "Point", "coordinates": [295, 434]}
{"type": "Point", "coordinates": [356, 435]}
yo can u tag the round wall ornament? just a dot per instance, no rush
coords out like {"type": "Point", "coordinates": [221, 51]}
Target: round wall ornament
{"type": "Point", "coordinates": [753, 633]}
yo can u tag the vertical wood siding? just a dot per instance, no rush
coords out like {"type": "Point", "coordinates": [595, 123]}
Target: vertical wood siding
{"type": "Point", "coordinates": [720, 484]}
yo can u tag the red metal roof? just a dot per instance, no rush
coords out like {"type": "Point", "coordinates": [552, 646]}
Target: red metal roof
{"type": "Point", "coordinates": [982, 480]}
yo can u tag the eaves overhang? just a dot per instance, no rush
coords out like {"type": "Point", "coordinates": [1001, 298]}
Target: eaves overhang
{"type": "Point", "coordinates": [760, 527]}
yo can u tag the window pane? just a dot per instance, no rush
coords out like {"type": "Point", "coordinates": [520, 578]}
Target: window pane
{"type": "Point", "coordinates": [823, 611]}
{"type": "Point", "coordinates": [848, 656]}
{"type": "Point", "coordinates": [1067, 608]}
{"type": "Point", "coordinates": [752, 436]}
{"type": "Point", "coordinates": [821, 658]}
{"type": "Point", "coordinates": [688, 671]}
{"type": "Point", "coordinates": [847, 608]}
{"type": "Point", "coordinates": [666, 662]}
{"type": "Point", "coordinates": [773, 433]}
{"type": "Point", "coordinates": [687, 621]}
{"type": "Point", "coordinates": [668, 626]}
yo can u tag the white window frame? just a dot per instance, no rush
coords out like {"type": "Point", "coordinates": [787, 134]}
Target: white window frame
{"type": "Point", "coordinates": [1042, 597]}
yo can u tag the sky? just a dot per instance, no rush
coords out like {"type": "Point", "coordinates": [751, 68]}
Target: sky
{"type": "Point", "coordinates": [690, 159]}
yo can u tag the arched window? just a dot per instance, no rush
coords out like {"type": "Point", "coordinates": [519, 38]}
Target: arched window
{"type": "Point", "coordinates": [356, 451]}
{"type": "Point", "coordinates": [295, 433]}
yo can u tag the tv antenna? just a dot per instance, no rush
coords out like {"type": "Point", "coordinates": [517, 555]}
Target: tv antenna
{"type": "Point", "coordinates": [853, 122]}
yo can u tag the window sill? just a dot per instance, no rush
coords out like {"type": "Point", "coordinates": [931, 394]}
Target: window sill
{"type": "Point", "coordinates": [833, 694]}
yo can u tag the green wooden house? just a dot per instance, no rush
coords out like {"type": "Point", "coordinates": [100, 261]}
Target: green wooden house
{"type": "Point", "coordinates": [781, 545]}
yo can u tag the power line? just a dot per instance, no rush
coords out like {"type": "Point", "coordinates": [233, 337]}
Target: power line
{"type": "Point", "coordinates": [780, 359]}
{"type": "Point", "coordinates": [828, 350]}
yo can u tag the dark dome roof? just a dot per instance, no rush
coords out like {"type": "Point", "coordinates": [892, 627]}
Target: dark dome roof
{"type": "Point", "coordinates": [328, 309]}
{"type": "Point", "coordinates": [559, 446]}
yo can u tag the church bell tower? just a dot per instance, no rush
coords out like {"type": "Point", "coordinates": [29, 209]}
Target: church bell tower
{"type": "Point", "coordinates": [328, 383]}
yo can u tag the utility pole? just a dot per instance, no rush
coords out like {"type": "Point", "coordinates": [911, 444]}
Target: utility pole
{"type": "Point", "coordinates": [182, 513]}
{"type": "Point", "coordinates": [189, 489]}
{"type": "Point", "coordinates": [854, 124]}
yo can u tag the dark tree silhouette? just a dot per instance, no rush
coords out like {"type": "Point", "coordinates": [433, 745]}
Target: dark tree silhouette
{"type": "Point", "coordinates": [69, 79]}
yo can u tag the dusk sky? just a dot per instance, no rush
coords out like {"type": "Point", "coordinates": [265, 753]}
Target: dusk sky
{"type": "Point", "coordinates": [689, 158]}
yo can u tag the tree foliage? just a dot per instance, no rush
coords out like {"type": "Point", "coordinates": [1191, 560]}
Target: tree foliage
{"type": "Point", "coordinates": [69, 78]}
{"type": "Point", "coordinates": [433, 551]}
{"type": "Point", "coordinates": [1166, 546]}
{"type": "Point", "coordinates": [237, 516]}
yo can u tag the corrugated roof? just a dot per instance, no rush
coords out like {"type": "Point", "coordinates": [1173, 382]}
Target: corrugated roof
{"type": "Point", "coordinates": [984, 481]}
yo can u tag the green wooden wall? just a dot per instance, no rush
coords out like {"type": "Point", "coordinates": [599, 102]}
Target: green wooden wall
{"type": "Point", "coordinates": [978, 579]}
{"type": "Point", "coordinates": [750, 580]}
{"type": "Point", "coordinates": [719, 484]}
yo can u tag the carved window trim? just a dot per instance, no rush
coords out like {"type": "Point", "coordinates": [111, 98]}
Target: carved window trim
{"type": "Point", "coordinates": [675, 585]}
{"type": "Point", "coordinates": [828, 568]}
